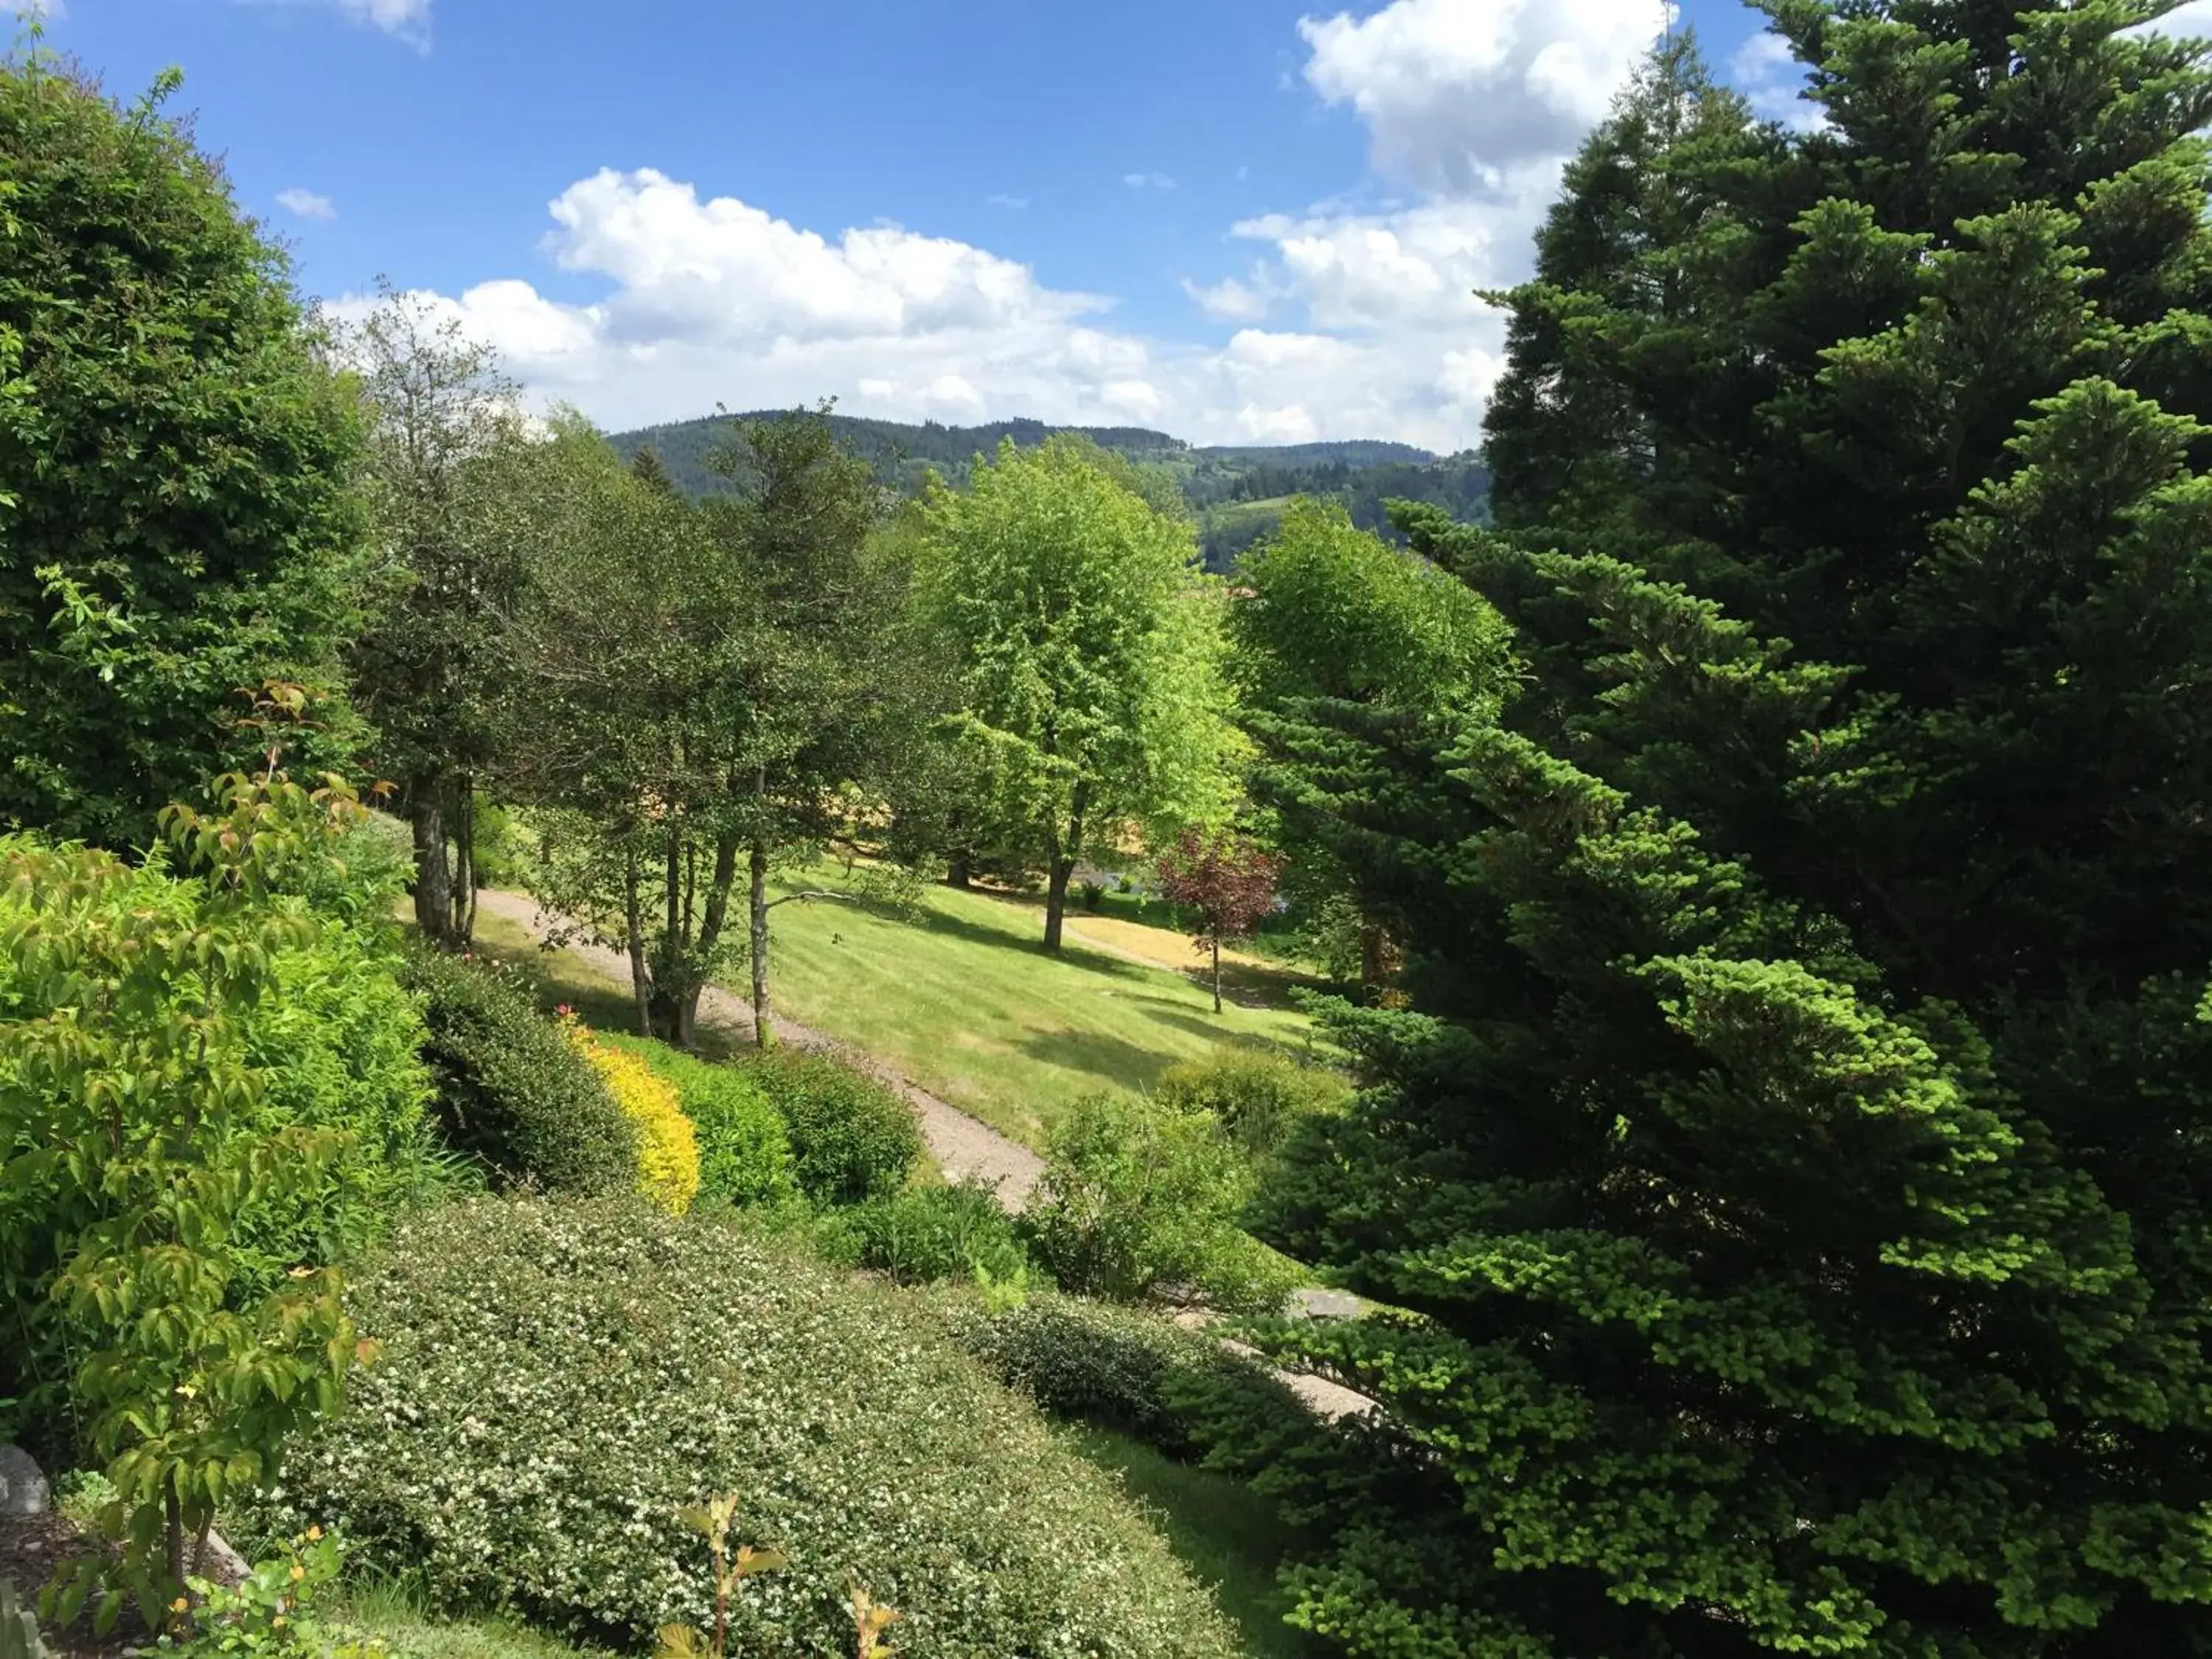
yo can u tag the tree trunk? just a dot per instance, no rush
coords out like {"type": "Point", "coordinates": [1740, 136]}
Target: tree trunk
{"type": "Point", "coordinates": [434, 900]}
{"type": "Point", "coordinates": [762, 1034]}
{"type": "Point", "coordinates": [641, 982]}
{"type": "Point", "coordinates": [710, 930]}
{"type": "Point", "coordinates": [957, 858]}
{"type": "Point", "coordinates": [173, 1552]}
{"type": "Point", "coordinates": [1372, 967]}
{"type": "Point", "coordinates": [463, 896]}
{"type": "Point", "coordinates": [1062, 856]}
{"type": "Point", "coordinates": [1216, 943]}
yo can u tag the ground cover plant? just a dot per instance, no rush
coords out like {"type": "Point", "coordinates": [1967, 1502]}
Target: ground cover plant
{"type": "Point", "coordinates": [558, 1379]}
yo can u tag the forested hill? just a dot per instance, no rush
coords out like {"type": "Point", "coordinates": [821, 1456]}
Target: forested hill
{"type": "Point", "coordinates": [1236, 492]}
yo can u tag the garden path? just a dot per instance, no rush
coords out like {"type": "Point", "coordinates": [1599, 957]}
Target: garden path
{"type": "Point", "coordinates": [963, 1146]}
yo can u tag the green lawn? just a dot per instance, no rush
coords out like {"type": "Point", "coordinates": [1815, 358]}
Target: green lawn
{"type": "Point", "coordinates": [1220, 1530]}
{"type": "Point", "coordinates": [413, 1633]}
{"type": "Point", "coordinates": [964, 999]}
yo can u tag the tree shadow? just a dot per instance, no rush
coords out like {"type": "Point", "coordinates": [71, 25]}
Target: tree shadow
{"type": "Point", "coordinates": [1114, 1060]}
{"type": "Point", "coordinates": [946, 925]}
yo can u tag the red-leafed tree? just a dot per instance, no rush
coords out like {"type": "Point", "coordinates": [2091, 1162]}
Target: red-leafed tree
{"type": "Point", "coordinates": [1227, 879]}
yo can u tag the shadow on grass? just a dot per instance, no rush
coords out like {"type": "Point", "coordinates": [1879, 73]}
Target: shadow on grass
{"type": "Point", "coordinates": [944, 924]}
{"type": "Point", "coordinates": [1112, 1059]}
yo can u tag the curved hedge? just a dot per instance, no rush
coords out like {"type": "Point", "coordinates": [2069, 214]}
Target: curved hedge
{"type": "Point", "coordinates": [745, 1153]}
{"type": "Point", "coordinates": [510, 1089]}
{"type": "Point", "coordinates": [559, 1377]}
{"type": "Point", "coordinates": [667, 1145]}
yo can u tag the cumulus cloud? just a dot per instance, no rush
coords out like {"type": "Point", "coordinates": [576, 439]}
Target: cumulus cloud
{"type": "Point", "coordinates": [1464, 96]}
{"type": "Point", "coordinates": [1341, 322]}
{"type": "Point", "coordinates": [306, 204]}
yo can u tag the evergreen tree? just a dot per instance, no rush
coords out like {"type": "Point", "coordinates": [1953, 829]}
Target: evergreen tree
{"type": "Point", "coordinates": [1800, 1202]}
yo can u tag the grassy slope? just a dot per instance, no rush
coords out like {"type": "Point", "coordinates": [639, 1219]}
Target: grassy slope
{"type": "Point", "coordinates": [964, 1000]}
{"type": "Point", "coordinates": [1225, 1534]}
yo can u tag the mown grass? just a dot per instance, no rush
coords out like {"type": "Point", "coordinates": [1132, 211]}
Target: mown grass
{"type": "Point", "coordinates": [412, 1632]}
{"type": "Point", "coordinates": [1224, 1533]}
{"type": "Point", "coordinates": [962, 997]}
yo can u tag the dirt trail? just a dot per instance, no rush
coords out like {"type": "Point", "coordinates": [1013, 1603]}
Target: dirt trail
{"type": "Point", "coordinates": [963, 1146]}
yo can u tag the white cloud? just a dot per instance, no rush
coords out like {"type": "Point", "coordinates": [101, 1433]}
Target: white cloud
{"type": "Point", "coordinates": [409, 20]}
{"type": "Point", "coordinates": [35, 11]}
{"type": "Point", "coordinates": [1013, 203]}
{"type": "Point", "coordinates": [1237, 300]}
{"type": "Point", "coordinates": [306, 204]}
{"type": "Point", "coordinates": [1766, 72]}
{"type": "Point", "coordinates": [1349, 323]}
{"type": "Point", "coordinates": [1462, 96]}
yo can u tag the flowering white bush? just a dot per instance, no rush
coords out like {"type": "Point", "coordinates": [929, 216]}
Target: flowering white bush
{"type": "Point", "coordinates": [558, 1377]}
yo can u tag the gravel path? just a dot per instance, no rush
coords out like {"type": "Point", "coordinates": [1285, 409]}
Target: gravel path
{"type": "Point", "coordinates": [962, 1146]}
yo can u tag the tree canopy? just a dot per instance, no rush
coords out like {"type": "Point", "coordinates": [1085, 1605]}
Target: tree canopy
{"type": "Point", "coordinates": [1798, 1190]}
{"type": "Point", "coordinates": [177, 519]}
{"type": "Point", "coordinates": [1089, 652]}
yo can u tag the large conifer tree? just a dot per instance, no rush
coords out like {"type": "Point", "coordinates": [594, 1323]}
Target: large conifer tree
{"type": "Point", "coordinates": [1803, 1205]}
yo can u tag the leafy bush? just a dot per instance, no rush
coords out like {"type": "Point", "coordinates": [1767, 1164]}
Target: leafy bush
{"type": "Point", "coordinates": [329, 1045]}
{"type": "Point", "coordinates": [510, 1090]}
{"type": "Point", "coordinates": [668, 1145]}
{"type": "Point", "coordinates": [928, 1233]}
{"type": "Point", "coordinates": [1257, 1095]}
{"type": "Point", "coordinates": [745, 1153]}
{"type": "Point", "coordinates": [1129, 1369]}
{"type": "Point", "coordinates": [1139, 1197]}
{"type": "Point", "coordinates": [559, 1378]}
{"type": "Point", "coordinates": [851, 1136]}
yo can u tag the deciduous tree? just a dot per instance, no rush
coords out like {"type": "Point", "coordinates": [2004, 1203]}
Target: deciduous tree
{"type": "Point", "coordinates": [1228, 878]}
{"type": "Point", "coordinates": [176, 516]}
{"type": "Point", "coordinates": [1089, 652]}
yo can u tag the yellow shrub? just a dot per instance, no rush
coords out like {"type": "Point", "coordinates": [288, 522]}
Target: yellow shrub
{"type": "Point", "coordinates": [667, 1145]}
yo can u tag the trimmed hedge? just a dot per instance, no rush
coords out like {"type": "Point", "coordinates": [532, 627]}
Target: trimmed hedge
{"type": "Point", "coordinates": [667, 1145]}
{"type": "Point", "coordinates": [851, 1136]}
{"type": "Point", "coordinates": [511, 1091]}
{"type": "Point", "coordinates": [558, 1377]}
{"type": "Point", "coordinates": [744, 1151]}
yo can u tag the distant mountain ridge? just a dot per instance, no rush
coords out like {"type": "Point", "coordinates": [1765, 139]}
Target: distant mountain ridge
{"type": "Point", "coordinates": [1236, 492]}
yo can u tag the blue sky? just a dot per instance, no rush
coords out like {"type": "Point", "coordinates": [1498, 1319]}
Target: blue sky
{"type": "Point", "coordinates": [1241, 220]}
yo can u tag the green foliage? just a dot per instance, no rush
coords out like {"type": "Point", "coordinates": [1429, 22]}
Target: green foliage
{"type": "Point", "coordinates": [141, 1147]}
{"type": "Point", "coordinates": [745, 1150]}
{"type": "Point", "coordinates": [1131, 1369]}
{"type": "Point", "coordinates": [1089, 656]}
{"type": "Point", "coordinates": [561, 1380]}
{"type": "Point", "coordinates": [851, 1136]}
{"type": "Point", "coordinates": [1139, 1197]}
{"type": "Point", "coordinates": [928, 1233]}
{"type": "Point", "coordinates": [1798, 1183]}
{"type": "Point", "coordinates": [510, 1090]}
{"type": "Point", "coordinates": [276, 1612]}
{"type": "Point", "coordinates": [18, 1628]}
{"type": "Point", "coordinates": [1260, 1097]}
{"type": "Point", "coordinates": [175, 515]}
